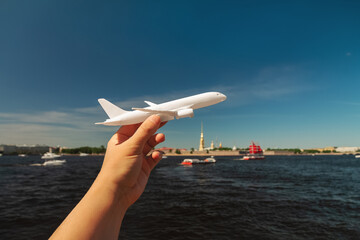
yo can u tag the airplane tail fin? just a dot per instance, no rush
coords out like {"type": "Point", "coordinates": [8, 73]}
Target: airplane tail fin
{"type": "Point", "coordinates": [110, 109]}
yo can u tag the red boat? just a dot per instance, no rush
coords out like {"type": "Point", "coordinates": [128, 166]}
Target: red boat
{"type": "Point", "coordinates": [255, 152]}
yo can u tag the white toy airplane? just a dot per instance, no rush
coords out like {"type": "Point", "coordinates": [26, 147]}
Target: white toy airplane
{"type": "Point", "coordinates": [180, 108]}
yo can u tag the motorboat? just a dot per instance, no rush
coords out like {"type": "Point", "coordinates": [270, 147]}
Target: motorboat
{"type": "Point", "coordinates": [83, 154]}
{"type": "Point", "coordinates": [210, 160]}
{"type": "Point", "coordinates": [22, 155]}
{"type": "Point", "coordinates": [191, 161]}
{"type": "Point", "coordinates": [253, 157]}
{"type": "Point", "coordinates": [357, 156]}
{"type": "Point", "coordinates": [50, 155]}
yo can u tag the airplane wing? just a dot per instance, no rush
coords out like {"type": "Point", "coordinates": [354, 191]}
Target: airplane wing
{"type": "Point", "coordinates": [185, 107]}
{"type": "Point", "coordinates": [151, 104]}
{"type": "Point", "coordinates": [171, 113]}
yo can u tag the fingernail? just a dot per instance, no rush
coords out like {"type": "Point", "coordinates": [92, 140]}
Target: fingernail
{"type": "Point", "coordinates": [163, 140]}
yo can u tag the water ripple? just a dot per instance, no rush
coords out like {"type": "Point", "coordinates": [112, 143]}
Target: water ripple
{"type": "Point", "coordinates": [295, 197]}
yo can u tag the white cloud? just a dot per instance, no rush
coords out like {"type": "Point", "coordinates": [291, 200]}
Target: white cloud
{"type": "Point", "coordinates": [75, 127]}
{"type": "Point", "coordinates": [36, 117]}
{"type": "Point", "coordinates": [67, 128]}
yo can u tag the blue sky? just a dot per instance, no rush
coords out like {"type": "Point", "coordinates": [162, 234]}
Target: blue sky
{"type": "Point", "coordinates": [290, 69]}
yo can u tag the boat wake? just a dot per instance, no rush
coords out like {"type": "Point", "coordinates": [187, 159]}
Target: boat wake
{"type": "Point", "coordinates": [49, 163]}
{"type": "Point", "coordinates": [36, 165]}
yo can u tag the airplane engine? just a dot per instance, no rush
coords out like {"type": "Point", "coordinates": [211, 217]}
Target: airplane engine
{"type": "Point", "coordinates": [185, 113]}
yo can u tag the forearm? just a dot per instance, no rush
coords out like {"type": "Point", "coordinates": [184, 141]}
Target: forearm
{"type": "Point", "coordinates": [97, 216]}
{"type": "Point", "coordinates": [120, 183]}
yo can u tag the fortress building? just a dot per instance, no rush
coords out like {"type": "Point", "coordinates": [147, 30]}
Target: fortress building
{"type": "Point", "coordinates": [201, 146]}
{"type": "Point", "coordinates": [23, 149]}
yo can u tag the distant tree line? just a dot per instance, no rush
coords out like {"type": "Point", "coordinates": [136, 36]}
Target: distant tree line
{"type": "Point", "coordinates": [298, 151]}
{"type": "Point", "coordinates": [86, 149]}
{"type": "Point", "coordinates": [294, 150]}
{"type": "Point", "coordinates": [223, 149]}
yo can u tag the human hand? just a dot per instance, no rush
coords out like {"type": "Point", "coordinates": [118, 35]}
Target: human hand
{"type": "Point", "coordinates": [126, 166]}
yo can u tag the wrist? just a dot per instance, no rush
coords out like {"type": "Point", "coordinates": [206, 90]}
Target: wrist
{"type": "Point", "coordinates": [113, 189]}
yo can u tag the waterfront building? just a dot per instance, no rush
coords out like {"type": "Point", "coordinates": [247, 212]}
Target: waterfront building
{"type": "Point", "coordinates": [166, 149]}
{"type": "Point", "coordinates": [23, 149]}
{"type": "Point", "coordinates": [8, 149]}
{"type": "Point", "coordinates": [347, 149]}
{"type": "Point", "coordinates": [331, 149]}
{"type": "Point", "coordinates": [212, 145]}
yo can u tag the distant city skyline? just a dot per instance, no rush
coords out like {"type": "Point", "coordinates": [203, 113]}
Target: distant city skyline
{"type": "Point", "coordinates": [290, 70]}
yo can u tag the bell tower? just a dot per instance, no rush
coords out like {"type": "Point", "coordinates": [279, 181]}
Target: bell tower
{"type": "Point", "coordinates": [201, 146]}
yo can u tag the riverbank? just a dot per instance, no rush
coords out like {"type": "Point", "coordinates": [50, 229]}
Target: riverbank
{"type": "Point", "coordinates": [236, 153]}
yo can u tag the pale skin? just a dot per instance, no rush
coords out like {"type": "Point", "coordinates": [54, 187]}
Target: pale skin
{"type": "Point", "coordinates": [121, 181]}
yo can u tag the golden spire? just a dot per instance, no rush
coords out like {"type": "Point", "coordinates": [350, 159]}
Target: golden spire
{"type": "Point", "coordinates": [201, 147]}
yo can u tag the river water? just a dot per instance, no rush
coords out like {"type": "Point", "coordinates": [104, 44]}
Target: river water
{"type": "Point", "coordinates": [282, 197]}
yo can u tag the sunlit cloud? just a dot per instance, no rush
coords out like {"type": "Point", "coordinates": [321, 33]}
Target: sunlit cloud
{"type": "Point", "coordinates": [75, 127]}
{"type": "Point", "coordinates": [66, 128]}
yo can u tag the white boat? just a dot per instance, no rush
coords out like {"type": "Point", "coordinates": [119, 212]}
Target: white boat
{"type": "Point", "coordinates": [22, 155]}
{"type": "Point", "coordinates": [50, 155]}
{"type": "Point", "coordinates": [190, 161]}
{"type": "Point", "coordinates": [83, 154]}
{"type": "Point", "coordinates": [210, 160]}
{"type": "Point", "coordinates": [54, 162]}
{"type": "Point", "coordinates": [357, 156]}
{"type": "Point", "coordinates": [253, 157]}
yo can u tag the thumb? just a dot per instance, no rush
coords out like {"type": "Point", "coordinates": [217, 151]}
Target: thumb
{"type": "Point", "coordinates": [146, 130]}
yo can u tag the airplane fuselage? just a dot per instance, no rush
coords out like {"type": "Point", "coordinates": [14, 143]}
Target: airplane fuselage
{"type": "Point", "coordinates": [182, 107]}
